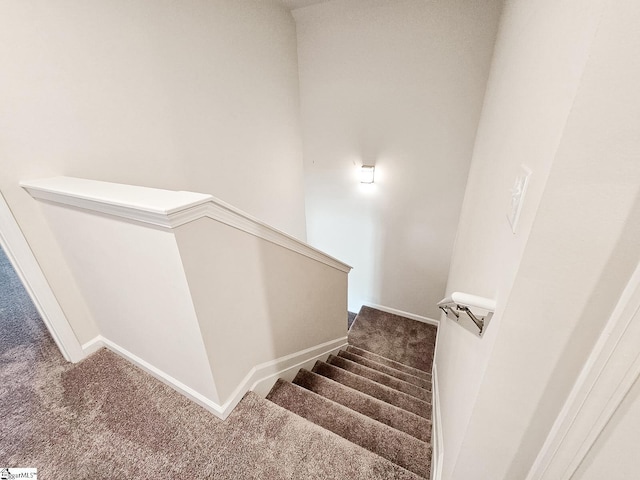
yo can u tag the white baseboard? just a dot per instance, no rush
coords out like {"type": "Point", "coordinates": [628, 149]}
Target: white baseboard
{"type": "Point", "coordinates": [263, 385]}
{"type": "Point", "coordinates": [268, 372]}
{"type": "Point", "coordinates": [437, 444]}
{"type": "Point", "coordinates": [92, 346]}
{"type": "Point", "coordinates": [410, 315]}
{"type": "Point", "coordinates": [258, 377]}
{"type": "Point", "coordinates": [178, 386]}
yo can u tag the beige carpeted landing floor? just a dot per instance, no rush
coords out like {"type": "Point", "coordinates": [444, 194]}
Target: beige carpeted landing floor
{"type": "Point", "coordinates": [104, 418]}
{"type": "Point", "coordinates": [409, 342]}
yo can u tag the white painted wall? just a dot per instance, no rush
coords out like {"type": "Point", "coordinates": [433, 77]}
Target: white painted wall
{"type": "Point", "coordinates": [198, 293]}
{"type": "Point", "coordinates": [132, 279]}
{"type": "Point", "coordinates": [257, 301]}
{"type": "Point", "coordinates": [615, 453]}
{"type": "Point", "coordinates": [561, 99]}
{"type": "Point", "coordinates": [192, 95]}
{"type": "Point", "coordinates": [605, 380]}
{"type": "Point", "coordinates": [399, 85]}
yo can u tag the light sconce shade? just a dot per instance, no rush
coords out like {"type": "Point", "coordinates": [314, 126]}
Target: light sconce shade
{"type": "Point", "coordinates": [366, 173]}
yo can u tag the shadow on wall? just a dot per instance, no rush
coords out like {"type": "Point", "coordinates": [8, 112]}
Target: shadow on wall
{"type": "Point", "coordinates": [390, 246]}
{"type": "Point", "coordinates": [257, 301]}
{"type": "Point", "coordinates": [343, 220]}
{"type": "Point", "coordinates": [415, 243]}
{"type": "Point", "coordinates": [397, 233]}
{"type": "Point", "coordinates": [305, 301]}
{"type": "Point", "coordinates": [400, 252]}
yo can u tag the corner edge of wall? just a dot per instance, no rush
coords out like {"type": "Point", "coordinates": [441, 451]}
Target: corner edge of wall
{"type": "Point", "coordinates": [437, 452]}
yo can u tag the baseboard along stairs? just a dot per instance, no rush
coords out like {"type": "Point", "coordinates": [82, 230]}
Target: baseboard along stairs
{"type": "Point", "coordinates": [375, 393]}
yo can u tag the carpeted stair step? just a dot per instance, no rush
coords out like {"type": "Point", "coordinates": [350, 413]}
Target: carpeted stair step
{"type": "Point", "coordinates": [388, 362]}
{"type": "Point", "coordinates": [394, 445]}
{"type": "Point", "coordinates": [417, 381]}
{"type": "Point", "coordinates": [374, 389]}
{"type": "Point", "coordinates": [383, 412]}
{"type": "Point", "coordinates": [294, 448]}
{"type": "Point", "coordinates": [379, 377]}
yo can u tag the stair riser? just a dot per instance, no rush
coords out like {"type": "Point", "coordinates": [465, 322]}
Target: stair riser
{"type": "Point", "coordinates": [376, 390]}
{"type": "Point", "coordinates": [417, 381]}
{"type": "Point", "coordinates": [381, 378]}
{"type": "Point", "coordinates": [385, 413]}
{"type": "Point", "coordinates": [390, 363]}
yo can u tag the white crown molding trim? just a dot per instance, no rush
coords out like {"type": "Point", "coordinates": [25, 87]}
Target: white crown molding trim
{"type": "Point", "coordinates": [437, 454]}
{"type": "Point", "coordinates": [35, 283]}
{"type": "Point", "coordinates": [257, 374]}
{"type": "Point", "coordinates": [606, 378]}
{"type": "Point", "coordinates": [410, 315]}
{"type": "Point", "coordinates": [165, 209]}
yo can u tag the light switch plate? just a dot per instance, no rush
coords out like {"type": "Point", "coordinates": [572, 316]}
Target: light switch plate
{"type": "Point", "coordinates": [517, 196]}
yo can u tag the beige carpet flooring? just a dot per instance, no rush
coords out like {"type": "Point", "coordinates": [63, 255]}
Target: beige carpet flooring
{"type": "Point", "coordinates": [408, 342]}
{"type": "Point", "coordinates": [104, 418]}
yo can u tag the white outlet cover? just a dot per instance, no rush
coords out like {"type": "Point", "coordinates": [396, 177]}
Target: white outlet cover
{"type": "Point", "coordinates": [517, 196]}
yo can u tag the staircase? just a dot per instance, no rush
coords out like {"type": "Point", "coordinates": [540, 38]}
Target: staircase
{"type": "Point", "coordinates": [376, 393]}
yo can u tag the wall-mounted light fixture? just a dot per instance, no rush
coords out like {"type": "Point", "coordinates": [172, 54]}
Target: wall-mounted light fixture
{"type": "Point", "coordinates": [366, 173]}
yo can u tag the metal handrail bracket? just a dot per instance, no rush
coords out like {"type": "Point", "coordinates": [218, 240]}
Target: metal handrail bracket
{"type": "Point", "coordinates": [477, 311]}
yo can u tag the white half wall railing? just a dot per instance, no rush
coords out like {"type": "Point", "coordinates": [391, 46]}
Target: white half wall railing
{"type": "Point", "coordinates": [205, 297]}
{"type": "Point", "coordinates": [470, 311]}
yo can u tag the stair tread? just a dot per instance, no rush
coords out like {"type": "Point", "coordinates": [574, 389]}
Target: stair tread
{"type": "Point", "coordinates": [305, 446]}
{"type": "Point", "coordinates": [383, 412]}
{"type": "Point", "coordinates": [382, 378]}
{"type": "Point", "coordinates": [390, 443]}
{"type": "Point", "coordinates": [387, 361]}
{"type": "Point", "coordinates": [394, 372]}
{"type": "Point", "coordinates": [381, 392]}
